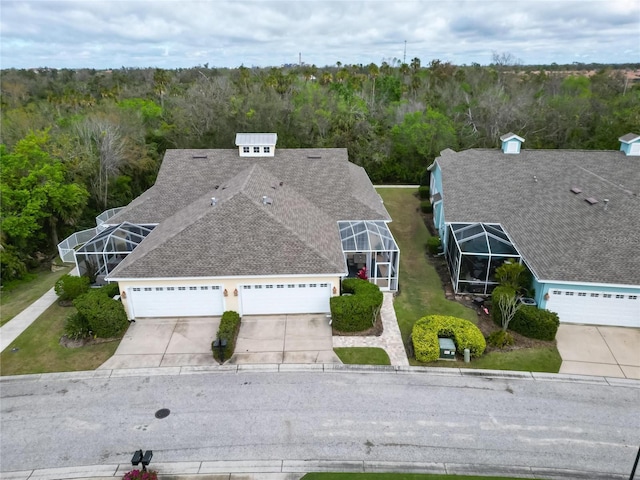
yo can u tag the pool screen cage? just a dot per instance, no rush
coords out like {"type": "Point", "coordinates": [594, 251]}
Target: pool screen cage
{"type": "Point", "coordinates": [473, 252]}
{"type": "Point", "coordinates": [100, 255]}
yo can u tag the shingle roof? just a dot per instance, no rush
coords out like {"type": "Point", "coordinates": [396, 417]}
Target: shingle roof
{"type": "Point", "coordinates": [296, 234]}
{"type": "Point", "coordinates": [560, 235]}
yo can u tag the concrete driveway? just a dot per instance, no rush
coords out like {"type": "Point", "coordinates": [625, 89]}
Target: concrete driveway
{"type": "Point", "coordinates": [166, 342]}
{"type": "Point", "coordinates": [601, 351]}
{"type": "Point", "coordinates": [284, 339]}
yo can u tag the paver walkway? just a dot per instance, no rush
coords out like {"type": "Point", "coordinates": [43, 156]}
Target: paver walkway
{"type": "Point", "coordinates": [390, 340]}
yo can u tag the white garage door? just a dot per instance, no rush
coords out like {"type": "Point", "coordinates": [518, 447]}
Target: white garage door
{"type": "Point", "coordinates": [285, 298]}
{"type": "Point", "coordinates": [595, 308]}
{"type": "Point", "coordinates": [184, 301]}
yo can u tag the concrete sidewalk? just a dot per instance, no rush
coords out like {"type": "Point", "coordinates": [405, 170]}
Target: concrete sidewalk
{"type": "Point", "coordinates": [18, 324]}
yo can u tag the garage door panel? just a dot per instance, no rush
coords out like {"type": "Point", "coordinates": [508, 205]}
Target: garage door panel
{"type": "Point", "coordinates": [596, 308]}
{"type": "Point", "coordinates": [272, 299]}
{"type": "Point", "coordinates": [177, 301]}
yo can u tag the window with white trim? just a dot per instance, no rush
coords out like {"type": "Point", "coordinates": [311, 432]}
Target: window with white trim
{"type": "Point", "coordinates": [279, 286]}
{"type": "Point", "coordinates": [193, 288]}
{"type": "Point", "coordinates": [159, 289]}
{"type": "Point", "coordinates": [171, 289]}
{"type": "Point", "coordinates": [290, 285]}
{"type": "Point", "coordinates": [215, 287]}
{"type": "Point", "coordinates": [606, 295]}
{"type": "Point", "coordinates": [557, 292]}
{"type": "Point", "coordinates": [324, 285]}
{"type": "Point", "coordinates": [204, 288]}
{"type": "Point", "coordinates": [182, 288]}
{"type": "Point", "coordinates": [313, 285]}
{"type": "Point", "coordinates": [269, 286]}
{"type": "Point", "coordinates": [147, 289]}
{"type": "Point", "coordinates": [257, 286]}
{"type": "Point", "coordinates": [570, 294]}
{"type": "Point", "coordinates": [595, 295]}
{"type": "Point", "coordinates": [582, 294]}
{"type": "Point", "coordinates": [633, 297]}
{"type": "Point", "coordinates": [246, 287]}
{"type": "Point", "coordinates": [256, 149]}
{"type": "Point", "coordinates": [619, 296]}
{"type": "Point", "coordinates": [267, 149]}
{"type": "Point", "coordinates": [301, 285]}
{"type": "Point", "coordinates": [245, 150]}
{"type": "Point", "coordinates": [136, 289]}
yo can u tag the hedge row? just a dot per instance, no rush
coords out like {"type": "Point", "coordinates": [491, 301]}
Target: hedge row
{"type": "Point", "coordinates": [433, 245]}
{"type": "Point", "coordinates": [533, 322]}
{"type": "Point", "coordinates": [101, 315]}
{"type": "Point", "coordinates": [426, 207]}
{"type": "Point", "coordinates": [228, 330]}
{"type": "Point", "coordinates": [358, 311]}
{"type": "Point", "coordinates": [423, 192]}
{"type": "Point", "coordinates": [426, 331]}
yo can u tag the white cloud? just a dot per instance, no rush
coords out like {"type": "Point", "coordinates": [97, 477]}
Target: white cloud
{"type": "Point", "coordinates": [172, 33]}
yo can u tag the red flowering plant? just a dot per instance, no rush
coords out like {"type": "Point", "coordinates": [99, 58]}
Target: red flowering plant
{"type": "Point", "coordinates": [141, 475]}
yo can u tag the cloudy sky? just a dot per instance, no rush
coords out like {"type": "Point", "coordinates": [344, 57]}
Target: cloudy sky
{"type": "Point", "coordinates": [169, 33]}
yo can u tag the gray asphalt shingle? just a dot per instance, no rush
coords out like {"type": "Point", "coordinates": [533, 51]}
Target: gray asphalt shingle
{"type": "Point", "coordinates": [560, 235]}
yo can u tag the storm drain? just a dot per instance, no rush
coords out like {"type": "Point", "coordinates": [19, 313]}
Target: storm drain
{"type": "Point", "coordinates": [163, 413]}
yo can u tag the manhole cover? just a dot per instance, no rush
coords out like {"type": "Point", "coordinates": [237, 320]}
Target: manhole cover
{"type": "Point", "coordinates": [163, 413]}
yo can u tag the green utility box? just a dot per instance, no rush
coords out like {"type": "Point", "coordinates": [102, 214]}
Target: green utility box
{"type": "Point", "coordinates": [447, 349]}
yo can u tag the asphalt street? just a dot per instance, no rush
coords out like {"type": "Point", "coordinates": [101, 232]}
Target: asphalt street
{"type": "Point", "coordinates": [52, 421]}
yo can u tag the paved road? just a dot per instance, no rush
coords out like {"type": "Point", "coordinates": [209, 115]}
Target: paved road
{"type": "Point", "coordinates": [52, 421]}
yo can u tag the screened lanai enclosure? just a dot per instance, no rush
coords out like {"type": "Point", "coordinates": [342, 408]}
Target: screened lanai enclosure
{"type": "Point", "coordinates": [369, 245]}
{"type": "Point", "coordinates": [100, 255]}
{"type": "Point", "coordinates": [474, 251]}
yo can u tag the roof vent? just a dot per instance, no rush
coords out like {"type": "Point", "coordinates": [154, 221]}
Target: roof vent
{"type": "Point", "coordinates": [281, 183]}
{"type": "Point", "coordinates": [214, 201]}
{"type": "Point", "coordinates": [216, 187]}
{"type": "Point", "coordinates": [630, 144]}
{"type": "Point", "coordinates": [606, 203]}
{"type": "Point", "coordinates": [511, 143]}
{"type": "Point", "coordinates": [314, 157]}
{"type": "Point", "coordinates": [576, 190]}
{"type": "Point", "coordinates": [198, 156]}
{"type": "Point", "coordinates": [591, 200]}
{"type": "Point", "coordinates": [267, 200]}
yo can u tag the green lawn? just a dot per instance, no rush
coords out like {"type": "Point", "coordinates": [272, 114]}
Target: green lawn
{"type": "Point", "coordinates": [421, 291]}
{"type": "Point", "coordinates": [16, 296]}
{"type": "Point", "coordinates": [363, 355]}
{"type": "Point", "coordinates": [39, 350]}
{"type": "Point", "coordinates": [396, 476]}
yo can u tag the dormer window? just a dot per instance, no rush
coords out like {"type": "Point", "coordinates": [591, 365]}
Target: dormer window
{"type": "Point", "coordinates": [256, 144]}
{"type": "Point", "coordinates": [511, 143]}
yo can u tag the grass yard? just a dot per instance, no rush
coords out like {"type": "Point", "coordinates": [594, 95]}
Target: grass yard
{"type": "Point", "coordinates": [395, 476]}
{"type": "Point", "coordinates": [39, 350]}
{"type": "Point", "coordinates": [16, 296]}
{"type": "Point", "coordinates": [363, 356]}
{"type": "Point", "coordinates": [421, 291]}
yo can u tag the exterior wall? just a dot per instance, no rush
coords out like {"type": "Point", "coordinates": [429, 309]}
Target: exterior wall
{"type": "Point", "coordinates": [438, 207]}
{"type": "Point", "coordinates": [511, 146]}
{"type": "Point", "coordinates": [261, 153]}
{"type": "Point", "coordinates": [230, 284]}
{"type": "Point", "coordinates": [543, 289]}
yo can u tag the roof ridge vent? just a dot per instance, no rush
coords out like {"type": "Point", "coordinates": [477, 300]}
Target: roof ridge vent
{"type": "Point", "coordinates": [199, 156]}
{"type": "Point", "coordinates": [314, 157]}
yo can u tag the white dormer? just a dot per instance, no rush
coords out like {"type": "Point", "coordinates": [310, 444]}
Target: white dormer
{"type": "Point", "coordinates": [256, 144]}
{"type": "Point", "coordinates": [511, 143]}
{"type": "Point", "coordinates": [630, 144]}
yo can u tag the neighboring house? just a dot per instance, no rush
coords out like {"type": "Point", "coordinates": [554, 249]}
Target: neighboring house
{"type": "Point", "coordinates": [254, 230]}
{"type": "Point", "coordinates": [572, 216]}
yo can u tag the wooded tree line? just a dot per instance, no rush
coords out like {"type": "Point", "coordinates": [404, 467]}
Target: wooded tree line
{"type": "Point", "coordinates": [77, 142]}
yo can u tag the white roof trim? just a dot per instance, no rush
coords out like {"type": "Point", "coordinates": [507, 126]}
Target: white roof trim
{"type": "Point", "coordinates": [256, 139]}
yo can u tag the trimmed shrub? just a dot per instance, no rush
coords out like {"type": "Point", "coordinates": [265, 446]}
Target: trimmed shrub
{"type": "Point", "coordinates": [426, 207]}
{"type": "Point", "coordinates": [11, 265]}
{"type": "Point", "coordinates": [110, 289]}
{"type": "Point", "coordinates": [228, 330]}
{"type": "Point", "coordinates": [500, 339]}
{"type": "Point", "coordinates": [76, 327]}
{"type": "Point", "coordinates": [533, 322]}
{"type": "Point", "coordinates": [69, 287]}
{"type": "Point", "coordinates": [106, 317]}
{"type": "Point", "coordinates": [423, 193]}
{"type": "Point", "coordinates": [426, 331]}
{"type": "Point", "coordinates": [433, 245]}
{"type": "Point", "coordinates": [358, 311]}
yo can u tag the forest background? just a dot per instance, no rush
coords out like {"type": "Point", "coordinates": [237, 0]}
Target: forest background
{"type": "Point", "coordinates": [77, 142]}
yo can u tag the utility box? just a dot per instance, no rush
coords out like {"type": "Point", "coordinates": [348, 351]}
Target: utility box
{"type": "Point", "coordinates": [447, 349]}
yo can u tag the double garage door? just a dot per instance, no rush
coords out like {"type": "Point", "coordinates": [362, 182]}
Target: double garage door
{"type": "Point", "coordinates": [172, 301]}
{"type": "Point", "coordinates": [283, 298]}
{"type": "Point", "coordinates": [595, 308]}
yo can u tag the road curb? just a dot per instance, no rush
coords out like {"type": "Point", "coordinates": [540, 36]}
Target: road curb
{"type": "Point", "coordinates": [295, 469]}
{"type": "Point", "coordinates": [326, 368]}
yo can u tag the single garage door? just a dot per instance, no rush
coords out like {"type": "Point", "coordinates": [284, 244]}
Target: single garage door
{"type": "Point", "coordinates": [595, 308]}
{"type": "Point", "coordinates": [281, 298]}
{"type": "Point", "coordinates": [173, 301]}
